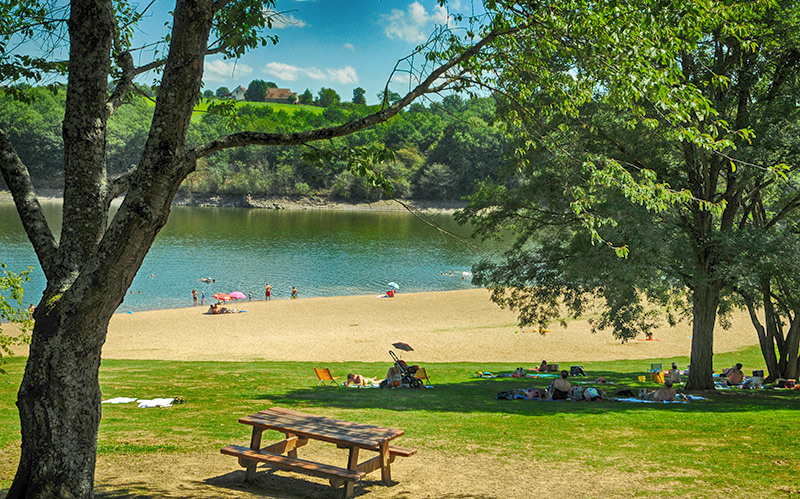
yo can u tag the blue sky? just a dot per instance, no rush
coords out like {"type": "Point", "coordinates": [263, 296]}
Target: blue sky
{"type": "Point", "coordinates": [338, 44]}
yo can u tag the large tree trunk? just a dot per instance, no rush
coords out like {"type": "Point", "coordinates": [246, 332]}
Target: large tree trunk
{"type": "Point", "coordinates": [59, 398]}
{"type": "Point", "coordinates": [59, 406]}
{"type": "Point", "coordinates": [705, 302]}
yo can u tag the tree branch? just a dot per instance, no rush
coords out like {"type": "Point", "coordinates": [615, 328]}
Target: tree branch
{"type": "Point", "coordinates": [287, 139]}
{"type": "Point", "coordinates": [119, 185]}
{"type": "Point", "coordinates": [30, 211]}
{"type": "Point", "coordinates": [125, 61]}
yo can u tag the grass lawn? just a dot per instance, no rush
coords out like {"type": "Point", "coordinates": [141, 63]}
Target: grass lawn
{"type": "Point", "coordinates": [289, 109]}
{"type": "Point", "coordinates": [699, 441]}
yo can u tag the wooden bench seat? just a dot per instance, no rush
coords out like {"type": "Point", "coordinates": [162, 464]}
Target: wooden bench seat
{"type": "Point", "coordinates": [401, 451]}
{"type": "Point", "coordinates": [293, 464]}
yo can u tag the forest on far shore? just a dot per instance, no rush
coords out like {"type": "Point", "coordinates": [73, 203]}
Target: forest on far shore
{"type": "Point", "coordinates": [440, 150]}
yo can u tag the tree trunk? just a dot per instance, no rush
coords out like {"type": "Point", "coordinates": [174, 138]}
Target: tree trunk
{"type": "Point", "coordinates": [59, 398]}
{"type": "Point", "coordinates": [59, 406]}
{"type": "Point", "coordinates": [792, 348]}
{"type": "Point", "coordinates": [766, 343]}
{"type": "Point", "coordinates": [705, 302]}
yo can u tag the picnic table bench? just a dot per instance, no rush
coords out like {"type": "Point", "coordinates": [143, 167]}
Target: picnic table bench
{"type": "Point", "coordinates": [299, 428]}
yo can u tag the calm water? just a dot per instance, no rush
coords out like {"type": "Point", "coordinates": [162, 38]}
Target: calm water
{"type": "Point", "coordinates": [322, 253]}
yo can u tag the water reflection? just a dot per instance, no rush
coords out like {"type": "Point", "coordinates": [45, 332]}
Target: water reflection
{"type": "Point", "coordinates": [322, 253]}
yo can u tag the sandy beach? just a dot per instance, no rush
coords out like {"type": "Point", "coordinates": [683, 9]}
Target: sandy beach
{"type": "Point", "coordinates": [447, 326]}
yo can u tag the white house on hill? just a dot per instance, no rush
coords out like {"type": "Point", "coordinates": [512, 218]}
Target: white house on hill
{"type": "Point", "coordinates": [238, 93]}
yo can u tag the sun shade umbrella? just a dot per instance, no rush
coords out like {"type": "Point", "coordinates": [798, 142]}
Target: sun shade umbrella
{"type": "Point", "coordinates": [237, 295]}
{"type": "Point", "coordinates": [221, 297]}
{"type": "Point", "coordinates": [394, 285]}
{"type": "Point", "coordinates": [402, 346]}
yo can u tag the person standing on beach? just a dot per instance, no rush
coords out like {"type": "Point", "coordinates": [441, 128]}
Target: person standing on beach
{"type": "Point", "coordinates": [202, 297]}
{"type": "Point", "coordinates": [294, 292]}
{"type": "Point", "coordinates": [194, 297]}
{"type": "Point", "coordinates": [249, 296]}
{"type": "Point", "coordinates": [268, 292]}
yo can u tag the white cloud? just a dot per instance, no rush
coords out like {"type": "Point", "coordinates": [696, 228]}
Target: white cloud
{"type": "Point", "coordinates": [289, 72]}
{"type": "Point", "coordinates": [349, 46]}
{"type": "Point", "coordinates": [344, 75]}
{"type": "Point", "coordinates": [280, 21]}
{"type": "Point", "coordinates": [283, 71]}
{"type": "Point", "coordinates": [219, 71]}
{"type": "Point", "coordinates": [414, 24]}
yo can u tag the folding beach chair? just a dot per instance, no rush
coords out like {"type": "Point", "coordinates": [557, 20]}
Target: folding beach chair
{"type": "Point", "coordinates": [325, 376]}
{"type": "Point", "coordinates": [422, 375]}
{"type": "Point", "coordinates": [655, 368]}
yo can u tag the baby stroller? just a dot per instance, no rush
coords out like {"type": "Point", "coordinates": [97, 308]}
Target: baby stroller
{"type": "Point", "coordinates": [406, 372]}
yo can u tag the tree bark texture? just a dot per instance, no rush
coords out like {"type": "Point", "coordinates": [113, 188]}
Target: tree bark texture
{"type": "Point", "coordinates": [91, 270]}
{"type": "Point", "coordinates": [765, 342]}
{"type": "Point", "coordinates": [705, 302]}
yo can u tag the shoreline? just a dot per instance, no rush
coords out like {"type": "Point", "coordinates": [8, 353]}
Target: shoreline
{"type": "Point", "coordinates": [277, 202]}
{"type": "Point", "coordinates": [441, 326]}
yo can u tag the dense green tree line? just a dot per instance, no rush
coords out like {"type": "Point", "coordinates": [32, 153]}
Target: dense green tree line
{"type": "Point", "coordinates": [441, 151]}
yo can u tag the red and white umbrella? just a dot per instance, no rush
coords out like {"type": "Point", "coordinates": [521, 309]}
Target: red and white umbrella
{"type": "Point", "coordinates": [221, 297]}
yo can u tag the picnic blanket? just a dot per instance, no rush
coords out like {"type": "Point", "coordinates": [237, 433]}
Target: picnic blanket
{"type": "Point", "coordinates": [691, 398]}
{"type": "Point", "coordinates": [487, 374]}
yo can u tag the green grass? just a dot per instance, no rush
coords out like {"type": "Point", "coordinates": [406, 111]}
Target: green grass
{"type": "Point", "coordinates": [289, 109]}
{"type": "Point", "coordinates": [202, 106]}
{"type": "Point", "coordinates": [695, 442]}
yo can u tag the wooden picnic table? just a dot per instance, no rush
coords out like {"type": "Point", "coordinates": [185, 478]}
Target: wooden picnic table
{"type": "Point", "coordinates": [298, 428]}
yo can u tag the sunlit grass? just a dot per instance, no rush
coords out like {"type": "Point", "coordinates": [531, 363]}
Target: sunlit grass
{"type": "Point", "coordinates": [459, 415]}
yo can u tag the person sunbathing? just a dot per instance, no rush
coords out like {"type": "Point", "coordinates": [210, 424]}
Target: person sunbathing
{"type": "Point", "coordinates": [359, 380]}
{"type": "Point", "coordinates": [735, 375]}
{"type": "Point", "coordinates": [664, 394]}
{"type": "Point", "coordinates": [561, 387]}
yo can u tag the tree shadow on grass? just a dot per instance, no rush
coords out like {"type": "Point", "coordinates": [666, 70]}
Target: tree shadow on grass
{"type": "Point", "coordinates": [478, 395]}
{"type": "Point", "coordinates": [267, 483]}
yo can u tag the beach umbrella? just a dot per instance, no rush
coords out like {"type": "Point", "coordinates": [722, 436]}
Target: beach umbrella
{"type": "Point", "coordinates": [403, 346]}
{"type": "Point", "coordinates": [221, 297]}
{"type": "Point", "coordinates": [394, 285]}
{"type": "Point", "coordinates": [237, 295]}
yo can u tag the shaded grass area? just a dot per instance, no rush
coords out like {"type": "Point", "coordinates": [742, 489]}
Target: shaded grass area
{"type": "Point", "coordinates": [741, 442]}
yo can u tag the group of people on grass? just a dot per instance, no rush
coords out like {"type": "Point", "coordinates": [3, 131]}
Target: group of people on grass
{"type": "Point", "coordinates": [562, 389]}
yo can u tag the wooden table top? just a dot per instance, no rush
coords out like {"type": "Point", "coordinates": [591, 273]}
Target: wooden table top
{"type": "Point", "coordinates": [315, 427]}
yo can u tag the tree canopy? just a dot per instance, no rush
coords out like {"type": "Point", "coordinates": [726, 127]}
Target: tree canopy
{"type": "Point", "coordinates": [650, 124]}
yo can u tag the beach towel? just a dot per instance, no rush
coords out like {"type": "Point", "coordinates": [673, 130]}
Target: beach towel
{"type": "Point", "coordinates": [158, 402]}
{"type": "Point", "coordinates": [119, 400]}
{"type": "Point", "coordinates": [691, 398]}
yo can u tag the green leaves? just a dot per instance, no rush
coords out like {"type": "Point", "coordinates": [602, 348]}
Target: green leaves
{"type": "Point", "coordinates": [360, 161]}
{"type": "Point", "coordinates": [11, 309]}
{"type": "Point", "coordinates": [239, 26]}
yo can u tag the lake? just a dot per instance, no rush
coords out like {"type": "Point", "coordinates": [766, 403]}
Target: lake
{"type": "Point", "coordinates": [321, 252]}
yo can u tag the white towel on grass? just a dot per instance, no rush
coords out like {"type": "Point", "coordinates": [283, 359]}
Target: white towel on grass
{"type": "Point", "coordinates": [161, 402]}
{"type": "Point", "coordinates": [119, 400]}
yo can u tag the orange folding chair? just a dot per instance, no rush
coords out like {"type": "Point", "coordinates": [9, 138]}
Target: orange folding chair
{"type": "Point", "coordinates": [325, 376]}
{"type": "Point", "coordinates": [421, 374]}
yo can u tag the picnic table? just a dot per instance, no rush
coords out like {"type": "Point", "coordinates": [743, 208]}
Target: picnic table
{"type": "Point", "coordinates": [298, 428]}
